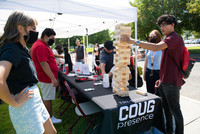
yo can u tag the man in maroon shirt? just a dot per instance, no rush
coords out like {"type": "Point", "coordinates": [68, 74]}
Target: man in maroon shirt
{"type": "Point", "coordinates": [170, 78]}
{"type": "Point", "coordinates": [47, 69]}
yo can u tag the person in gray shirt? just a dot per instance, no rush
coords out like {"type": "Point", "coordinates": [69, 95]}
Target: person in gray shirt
{"type": "Point", "coordinates": [106, 57]}
{"type": "Point", "coordinates": [79, 57]}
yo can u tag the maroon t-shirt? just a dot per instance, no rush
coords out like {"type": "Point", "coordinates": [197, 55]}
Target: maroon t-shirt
{"type": "Point", "coordinates": [169, 72]}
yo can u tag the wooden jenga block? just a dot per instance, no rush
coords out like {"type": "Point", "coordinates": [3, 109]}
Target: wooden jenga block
{"type": "Point", "coordinates": [124, 83]}
{"type": "Point", "coordinates": [144, 93]}
{"type": "Point", "coordinates": [122, 51]}
{"type": "Point", "coordinates": [118, 43]}
{"type": "Point", "coordinates": [123, 31]}
{"type": "Point", "coordinates": [121, 92]}
{"type": "Point", "coordinates": [121, 70]}
{"type": "Point", "coordinates": [120, 84]}
{"type": "Point", "coordinates": [122, 77]}
{"type": "Point", "coordinates": [121, 60]}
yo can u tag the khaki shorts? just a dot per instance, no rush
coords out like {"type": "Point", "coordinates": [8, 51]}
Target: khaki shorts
{"type": "Point", "coordinates": [47, 90]}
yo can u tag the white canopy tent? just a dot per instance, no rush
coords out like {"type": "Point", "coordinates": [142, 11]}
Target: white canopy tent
{"type": "Point", "coordinates": [73, 17]}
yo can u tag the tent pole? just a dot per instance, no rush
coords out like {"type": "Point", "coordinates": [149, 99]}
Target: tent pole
{"type": "Point", "coordinates": [136, 49]}
{"type": "Point", "coordinates": [84, 48]}
{"type": "Point", "coordinates": [68, 44]}
{"type": "Point", "coordinates": [87, 40]}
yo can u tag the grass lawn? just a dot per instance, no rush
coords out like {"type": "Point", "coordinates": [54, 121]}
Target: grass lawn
{"type": "Point", "coordinates": [194, 50]}
{"type": "Point", "coordinates": [90, 50]}
{"type": "Point", "coordinates": [68, 117]}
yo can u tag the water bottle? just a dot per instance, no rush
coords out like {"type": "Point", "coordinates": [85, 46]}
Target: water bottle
{"type": "Point", "coordinates": [106, 82]}
{"type": "Point", "coordinates": [64, 71]}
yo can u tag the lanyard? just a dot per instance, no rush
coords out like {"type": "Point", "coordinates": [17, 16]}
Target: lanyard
{"type": "Point", "coordinates": [152, 59]}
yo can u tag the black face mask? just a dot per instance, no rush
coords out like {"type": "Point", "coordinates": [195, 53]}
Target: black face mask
{"type": "Point", "coordinates": [60, 51]}
{"type": "Point", "coordinates": [50, 42]}
{"type": "Point", "coordinates": [153, 40]}
{"type": "Point", "coordinates": [31, 37]}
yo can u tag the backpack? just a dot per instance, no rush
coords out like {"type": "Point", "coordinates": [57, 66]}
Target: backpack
{"type": "Point", "coordinates": [186, 65]}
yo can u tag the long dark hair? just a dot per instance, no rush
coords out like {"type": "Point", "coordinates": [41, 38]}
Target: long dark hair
{"type": "Point", "coordinates": [98, 48]}
{"type": "Point", "coordinates": [59, 48]}
{"type": "Point", "coordinates": [11, 33]}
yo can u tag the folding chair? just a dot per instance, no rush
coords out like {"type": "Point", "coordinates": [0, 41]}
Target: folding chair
{"type": "Point", "coordinates": [84, 109]}
{"type": "Point", "coordinates": [64, 94]}
{"type": "Point", "coordinates": [98, 71]}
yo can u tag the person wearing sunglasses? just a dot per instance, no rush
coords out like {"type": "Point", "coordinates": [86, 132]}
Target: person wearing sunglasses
{"type": "Point", "coordinates": [170, 78]}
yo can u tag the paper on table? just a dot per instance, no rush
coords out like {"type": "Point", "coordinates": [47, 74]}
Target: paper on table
{"type": "Point", "coordinates": [71, 75]}
{"type": "Point", "coordinates": [89, 89]}
{"type": "Point", "coordinates": [98, 83]}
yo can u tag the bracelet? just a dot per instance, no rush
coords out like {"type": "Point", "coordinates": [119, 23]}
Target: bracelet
{"type": "Point", "coordinates": [137, 42]}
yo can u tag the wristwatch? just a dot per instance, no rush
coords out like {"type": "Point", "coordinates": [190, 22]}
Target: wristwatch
{"type": "Point", "coordinates": [137, 42]}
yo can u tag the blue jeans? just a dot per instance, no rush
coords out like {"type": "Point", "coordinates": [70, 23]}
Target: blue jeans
{"type": "Point", "coordinates": [170, 96]}
{"type": "Point", "coordinates": [80, 60]}
{"type": "Point", "coordinates": [152, 130]}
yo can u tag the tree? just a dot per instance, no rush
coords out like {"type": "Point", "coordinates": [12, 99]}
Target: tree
{"type": "Point", "coordinates": [99, 37]}
{"type": "Point", "coordinates": [147, 16]}
{"type": "Point", "coordinates": [194, 6]}
{"type": "Point", "coordinates": [149, 11]}
{"type": "Point", "coordinates": [64, 41]}
{"type": "Point", "coordinates": [187, 34]}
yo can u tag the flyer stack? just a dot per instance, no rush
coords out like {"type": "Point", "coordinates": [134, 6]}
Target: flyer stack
{"type": "Point", "coordinates": [121, 60]}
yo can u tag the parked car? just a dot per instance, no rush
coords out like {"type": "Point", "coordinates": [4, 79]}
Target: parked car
{"type": "Point", "coordinates": [198, 41]}
{"type": "Point", "coordinates": [187, 41]}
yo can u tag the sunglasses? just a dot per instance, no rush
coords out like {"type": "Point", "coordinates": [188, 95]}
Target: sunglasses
{"type": "Point", "coordinates": [163, 25]}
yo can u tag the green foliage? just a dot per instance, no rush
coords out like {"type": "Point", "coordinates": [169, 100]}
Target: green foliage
{"type": "Point", "coordinates": [194, 6]}
{"type": "Point", "coordinates": [99, 37]}
{"type": "Point", "coordinates": [68, 117]}
{"type": "Point", "coordinates": [147, 16]}
{"type": "Point", "coordinates": [196, 34]}
{"type": "Point", "coordinates": [6, 126]}
{"type": "Point", "coordinates": [149, 11]}
{"type": "Point", "coordinates": [194, 50]}
{"type": "Point", "coordinates": [64, 41]}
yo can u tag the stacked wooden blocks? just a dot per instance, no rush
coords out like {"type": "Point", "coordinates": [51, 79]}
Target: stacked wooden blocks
{"type": "Point", "coordinates": [121, 60]}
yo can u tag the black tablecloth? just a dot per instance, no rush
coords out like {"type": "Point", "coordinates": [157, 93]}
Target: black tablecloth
{"type": "Point", "coordinates": [127, 115]}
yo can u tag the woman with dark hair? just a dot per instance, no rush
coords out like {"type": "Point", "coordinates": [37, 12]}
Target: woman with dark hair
{"type": "Point", "coordinates": [68, 59]}
{"type": "Point", "coordinates": [152, 63]}
{"type": "Point", "coordinates": [96, 56]}
{"type": "Point", "coordinates": [18, 77]}
{"type": "Point", "coordinates": [58, 54]}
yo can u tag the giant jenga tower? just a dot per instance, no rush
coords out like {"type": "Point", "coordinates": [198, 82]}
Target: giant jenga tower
{"type": "Point", "coordinates": [121, 60]}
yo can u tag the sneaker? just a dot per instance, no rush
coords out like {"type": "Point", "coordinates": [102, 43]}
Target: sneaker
{"type": "Point", "coordinates": [55, 120]}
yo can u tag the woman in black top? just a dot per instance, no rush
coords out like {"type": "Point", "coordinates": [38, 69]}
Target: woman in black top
{"type": "Point", "coordinates": [96, 56]}
{"type": "Point", "coordinates": [68, 59]}
{"type": "Point", "coordinates": [18, 77]}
